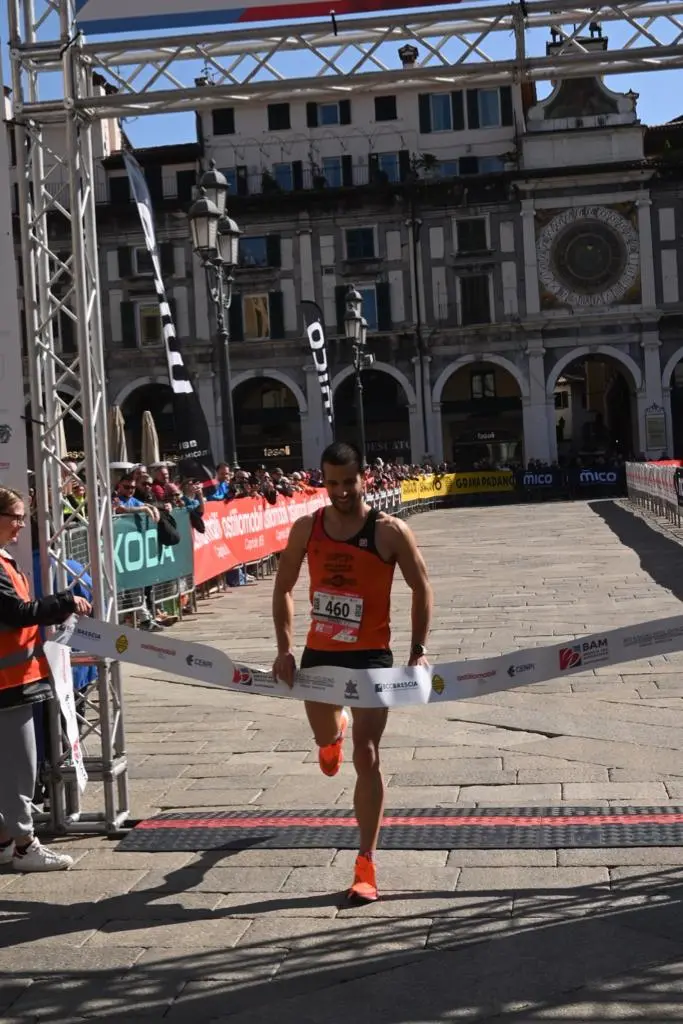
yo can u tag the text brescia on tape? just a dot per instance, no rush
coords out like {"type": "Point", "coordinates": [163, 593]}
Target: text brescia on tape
{"type": "Point", "coordinates": [382, 687]}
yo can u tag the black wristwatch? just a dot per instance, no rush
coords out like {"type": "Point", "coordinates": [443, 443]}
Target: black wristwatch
{"type": "Point", "coordinates": [418, 651]}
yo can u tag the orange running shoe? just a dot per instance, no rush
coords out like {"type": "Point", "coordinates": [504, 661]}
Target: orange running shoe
{"type": "Point", "coordinates": [364, 888]}
{"type": "Point", "coordinates": [330, 757]}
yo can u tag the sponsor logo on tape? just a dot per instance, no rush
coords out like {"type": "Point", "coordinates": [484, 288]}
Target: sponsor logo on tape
{"type": "Point", "coordinates": [400, 684]}
{"type": "Point", "coordinates": [242, 676]}
{"type": "Point", "coordinates": [165, 652]}
{"type": "Point", "coordinates": [518, 670]}
{"type": "Point", "coordinates": [469, 677]}
{"type": "Point", "coordinates": [652, 639]}
{"type": "Point", "coordinates": [351, 691]}
{"type": "Point", "coordinates": [88, 634]}
{"type": "Point", "coordinates": [193, 660]}
{"type": "Point", "coordinates": [588, 652]}
{"type": "Point", "coordinates": [438, 684]}
{"type": "Point", "coordinates": [121, 644]}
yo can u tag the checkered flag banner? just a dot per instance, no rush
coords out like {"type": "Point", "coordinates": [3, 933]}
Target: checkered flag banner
{"type": "Point", "coordinates": [192, 432]}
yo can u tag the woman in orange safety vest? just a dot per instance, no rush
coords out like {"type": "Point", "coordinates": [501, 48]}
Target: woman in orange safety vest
{"type": "Point", "coordinates": [24, 680]}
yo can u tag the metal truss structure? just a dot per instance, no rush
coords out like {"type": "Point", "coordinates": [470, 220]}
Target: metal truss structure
{"type": "Point", "coordinates": [479, 46]}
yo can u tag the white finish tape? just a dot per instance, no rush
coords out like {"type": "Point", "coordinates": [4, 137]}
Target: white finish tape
{"type": "Point", "coordinates": [384, 687]}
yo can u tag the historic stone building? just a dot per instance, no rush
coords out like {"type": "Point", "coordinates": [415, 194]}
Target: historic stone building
{"type": "Point", "coordinates": [517, 258]}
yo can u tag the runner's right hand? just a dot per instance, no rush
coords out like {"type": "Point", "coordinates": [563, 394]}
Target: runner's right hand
{"type": "Point", "coordinates": [284, 668]}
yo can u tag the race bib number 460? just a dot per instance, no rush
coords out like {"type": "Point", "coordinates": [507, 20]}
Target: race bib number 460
{"type": "Point", "coordinates": [337, 616]}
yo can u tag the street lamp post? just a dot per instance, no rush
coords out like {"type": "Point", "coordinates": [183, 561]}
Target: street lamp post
{"type": "Point", "coordinates": [215, 240]}
{"type": "Point", "coordinates": [356, 327]}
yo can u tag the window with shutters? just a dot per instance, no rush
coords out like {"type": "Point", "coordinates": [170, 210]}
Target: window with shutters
{"type": "Point", "coordinates": [387, 164]}
{"type": "Point", "coordinates": [475, 299]}
{"type": "Point", "coordinates": [278, 117]}
{"type": "Point", "coordinates": [489, 108]}
{"type": "Point", "coordinates": [360, 244]}
{"type": "Point", "coordinates": [260, 251]}
{"type": "Point", "coordinates": [256, 317]}
{"type": "Point", "coordinates": [253, 251]}
{"type": "Point", "coordinates": [142, 262]}
{"type": "Point", "coordinates": [369, 308]}
{"type": "Point", "coordinates": [332, 171]}
{"type": "Point", "coordinates": [119, 189]}
{"type": "Point", "coordinates": [385, 108]}
{"type": "Point", "coordinates": [149, 325]}
{"type": "Point", "coordinates": [224, 121]}
{"type": "Point", "coordinates": [328, 113]}
{"type": "Point", "coordinates": [472, 235]}
{"type": "Point", "coordinates": [491, 164]}
{"type": "Point", "coordinates": [186, 182]}
{"type": "Point", "coordinates": [483, 385]}
{"type": "Point", "coordinates": [441, 112]}
{"type": "Point", "coordinates": [284, 176]}
{"type": "Point", "coordinates": [447, 169]}
{"type": "Point", "coordinates": [230, 174]}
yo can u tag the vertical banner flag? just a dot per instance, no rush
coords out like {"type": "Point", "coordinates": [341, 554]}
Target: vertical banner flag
{"type": "Point", "coordinates": [316, 339]}
{"type": "Point", "coordinates": [192, 431]}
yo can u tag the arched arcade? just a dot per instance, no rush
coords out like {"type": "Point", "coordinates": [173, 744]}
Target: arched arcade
{"type": "Point", "coordinates": [594, 397]}
{"type": "Point", "coordinates": [480, 409]}
{"type": "Point", "coordinates": [389, 405]}
{"type": "Point", "coordinates": [268, 412]}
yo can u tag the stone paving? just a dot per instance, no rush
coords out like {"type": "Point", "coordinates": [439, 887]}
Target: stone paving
{"type": "Point", "coordinates": [474, 935]}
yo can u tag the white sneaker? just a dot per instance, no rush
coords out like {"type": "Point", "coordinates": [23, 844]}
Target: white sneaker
{"type": "Point", "coordinates": [6, 854]}
{"type": "Point", "coordinates": [41, 858]}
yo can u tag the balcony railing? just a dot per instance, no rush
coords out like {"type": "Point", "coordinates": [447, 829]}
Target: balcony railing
{"type": "Point", "coordinates": [280, 180]}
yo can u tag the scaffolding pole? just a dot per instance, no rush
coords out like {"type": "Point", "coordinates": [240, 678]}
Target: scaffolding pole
{"type": "Point", "coordinates": [68, 386]}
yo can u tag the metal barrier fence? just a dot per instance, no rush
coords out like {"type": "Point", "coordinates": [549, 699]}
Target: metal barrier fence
{"type": "Point", "coordinates": [656, 488]}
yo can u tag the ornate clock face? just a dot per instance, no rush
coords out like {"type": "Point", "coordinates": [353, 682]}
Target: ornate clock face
{"type": "Point", "coordinates": [588, 256]}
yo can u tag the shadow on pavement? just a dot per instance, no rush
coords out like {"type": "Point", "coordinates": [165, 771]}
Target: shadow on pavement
{"type": "Point", "coordinates": [414, 958]}
{"type": "Point", "coordinates": [660, 556]}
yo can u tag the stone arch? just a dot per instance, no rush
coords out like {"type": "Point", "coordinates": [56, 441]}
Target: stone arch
{"type": "Point", "coordinates": [134, 385]}
{"type": "Point", "coordinates": [278, 375]}
{"type": "Point", "coordinates": [384, 368]}
{"type": "Point", "coordinates": [607, 352]}
{"type": "Point", "coordinates": [670, 367]}
{"type": "Point", "coordinates": [505, 364]}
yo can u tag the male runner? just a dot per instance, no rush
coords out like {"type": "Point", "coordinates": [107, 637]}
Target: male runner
{"type": "Point", "coordinates": [352, 551]}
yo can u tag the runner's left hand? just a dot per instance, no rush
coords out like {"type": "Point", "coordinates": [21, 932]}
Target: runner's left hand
{"type": "Point", "coordinates": [421, 662]}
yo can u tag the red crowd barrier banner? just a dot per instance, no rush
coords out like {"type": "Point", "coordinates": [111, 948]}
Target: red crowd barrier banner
{"type": "Point", "coordinates": [246, 530]}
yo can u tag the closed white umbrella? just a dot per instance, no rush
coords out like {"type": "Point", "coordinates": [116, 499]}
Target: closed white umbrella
{"type": "Point", "coordinates": [150, 440]}
{"type": "Point", "coordinates": [118, 448]}
{"type": "Point", "coordinates": [61, 441]}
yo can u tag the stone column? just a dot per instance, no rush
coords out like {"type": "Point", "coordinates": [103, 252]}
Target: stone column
{"type": "Point", "coordinates": [437, 426]}
{"type": "Point", "coordinates": [538, 443]}
{"type": "Point", "coordinates": [315, 429]}
{"type": "Point", "coordinates": [651, 396]}
{"type": "Point", "coordinates": [647, 270]}
{"type": "Point", "coordinates": [418, 441]}
{"type": "Point", "coordinates": [532, 297]}
{"type": "Point", "coordinates": [426, 396]}
{"type": "Point", "coordinates": [207, 392]}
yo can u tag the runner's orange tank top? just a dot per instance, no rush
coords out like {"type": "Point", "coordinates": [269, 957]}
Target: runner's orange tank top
{"type": "Point", "coordinates": [350, 590]}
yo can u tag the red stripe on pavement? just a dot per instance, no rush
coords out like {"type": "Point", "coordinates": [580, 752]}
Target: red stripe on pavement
{"type": "Point", "coordinates": [445, 822]}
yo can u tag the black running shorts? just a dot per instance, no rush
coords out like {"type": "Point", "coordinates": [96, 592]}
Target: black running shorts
{"type": "Point", "coordinates": [353, 660]}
